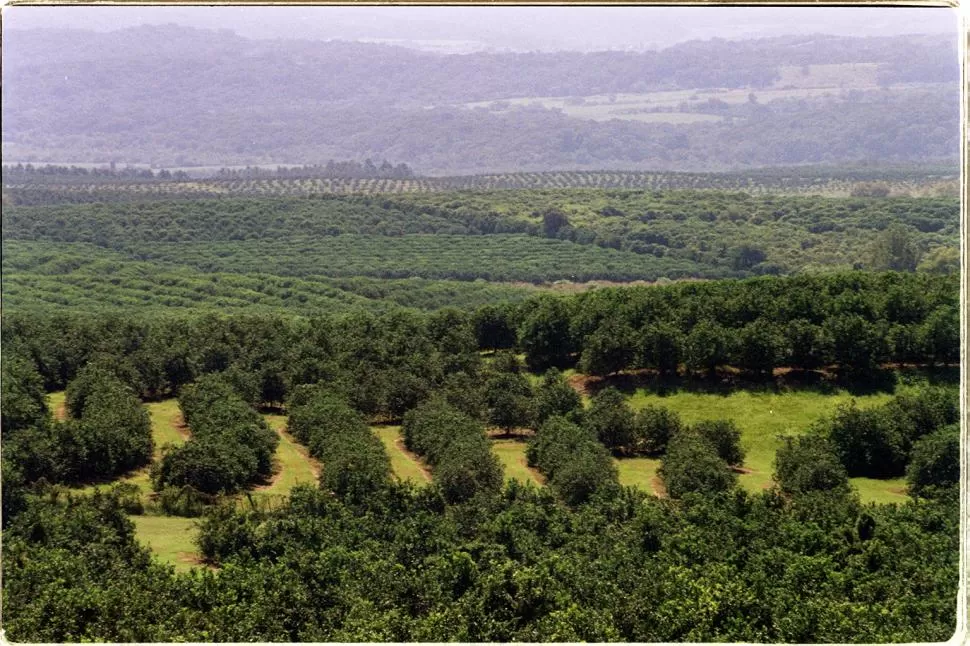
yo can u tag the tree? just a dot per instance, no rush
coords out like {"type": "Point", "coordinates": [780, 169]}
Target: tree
{"type": "Point", "coordinates": [23, 402]}
{"type": "Point", "coordinates": [555, 397]}
{"type": "Point", "coordinates": [692, 465]}
{"type": "Point", "coordinates": [611, 420]}
{"type": "Point", "coordinates": [809, 463]}
{"type": "Point", "coordinates": [935, 462]}
{"type": "Point", "coordinates": [759, 347]}
{"type": "Point", "coordinates": [545, 336]}
{"type": "Point", "coordinates": [941, 260]}
{"type": "Point", "coordinates": [894, 249]}
{"type": "Point", "coordinates": [660, 347]}
{"type": "Point", "coordinates": [705, 347]}
{"type": "Point", "coordinates": [870, 443]}
{"type": "Point", "coordinates": [509, 400]}
{"type": "Point", "coordinates": [653, 428]}
{"type": "Point", "coordinates": [724, 436]}
{"type": "Point", "coordinates": [494, 329]}
{"type": "Point", "coordinates": [609, 349]}
{"type": "Point", "coordinates": [856, 345]}
{"type": "Point", "coordinates": [552, 222]}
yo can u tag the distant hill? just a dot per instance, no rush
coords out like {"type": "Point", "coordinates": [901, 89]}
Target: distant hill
{"type": "Point", "coordinates": [171, 95]}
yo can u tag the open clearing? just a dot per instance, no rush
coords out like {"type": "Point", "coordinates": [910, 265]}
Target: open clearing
{"type": "Point", "coordinates": [171, 538]}
{"type": "Point", "coordinates": [762, 417]}
{"type": "Point", "coordinates": [640, 473]}
{"type": "Point", "coordinates": [404, 464]}
{"type": "Point", "coordinates": [512, 454]}
{"type": "Point", "coordinates": [293, 463]}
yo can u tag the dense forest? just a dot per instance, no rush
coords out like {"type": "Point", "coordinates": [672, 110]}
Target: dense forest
{"type": "Point", "coordinates": [700, 105]}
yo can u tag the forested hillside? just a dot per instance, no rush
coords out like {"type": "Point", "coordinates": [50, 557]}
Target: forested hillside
{"type": "Point", "coordinates": [70, 97]}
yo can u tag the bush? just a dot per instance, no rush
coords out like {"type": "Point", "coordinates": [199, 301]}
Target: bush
{"type": "Point", "coordinates": [692, 465]}
{"type": "Point", "coordinates": [809, 463]}
{"type": "Point", "coordinates": [725, 438]}
{"type": "Point", "coordinates": [653, 427]}
{"type": "Point", "coordinates": [611, 420]}
{"type": "Point", "coordinates": [935, 463]}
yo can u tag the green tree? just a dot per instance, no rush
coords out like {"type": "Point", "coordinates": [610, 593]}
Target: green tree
{"type": "Point", "coordinates": [935, 462]}
{"type": "Point", "coordinates": [705, 347]}
{"type": "Point", "coordinates": [809, 463]}
{"type": "Point", "coordinates": [509, 398]}
{"type": "Point", "coordinates": [611, 420]}
{"type": "Point", "coordinates": [653, 428]}
{"type": "Point", "coordinates": [724, 436]}
{"type": "Point", "coordinates": [555, 397]}
{"type": "Point", "coordinates": [894, 249]}
{"type": "Point", "coordinates": [692, 465]}
{"type": "Point", "coordinates": [609, 349]}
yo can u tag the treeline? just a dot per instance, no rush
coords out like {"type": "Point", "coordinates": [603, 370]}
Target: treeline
{"type": "Point", "coordinates": [852, 322]}
{"type": "Point", "coordinates": [48, 174]}
{"type": "Point", "coordinates": [231, 445]}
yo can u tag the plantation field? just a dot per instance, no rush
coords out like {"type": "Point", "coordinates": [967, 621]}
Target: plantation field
{"type": "Point", "coordinates": [171, 538]}
{"type": "Point", "coordinates": [762, 418]}
{"type": "Point", "coordinates": [292, 462]}
{"type": "Point", "coordinates": [790, 181]}
{"type": "Point", "coordinates": [511, 452]}
{"type": "Point", "coordinates": [404, 465]}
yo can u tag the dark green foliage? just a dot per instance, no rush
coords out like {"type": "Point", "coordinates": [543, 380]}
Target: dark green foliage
{"type": "Point", "coordinates": [231, 446]}
{"type": "Point", "coordinates": [494, 327]}
{"type": "Point", "coordinates": [611, 421]}
{"type": "Point", "coordinates": [660, 347]}
{"type": "Point", "coordinates": [544, 334]}
{"type": "Point", "coordinates": [355, 463]}
{"type": "Point", "coordinates": [894, 249]}
{"type": "Point", "coordinates": [759, 348]}
{"type": "Point", "coordinates": [809, 463]}
{"type": "Point", "coordinates": [705, 347]}
{"type": "Point", "coordinates": [869, 443]}
{"type": "Point", "coordinates": [23, 402]}
{"type": "Point", "coordinates": [575, 463]}
{"type": "Point", "coordinates": [455, 446]}
{"type": "Point", "coordinates": [724, 436]}
{"type": "Point", "coordinates": [935, 462]}
{"type": "Point", "coordinates": [555, 397]}
{"type": "Point", "coordinates": [510, 401]}
{"type": "Point", "coordinates": [692, 465]}
{"type": "Point", "coordinates": [609, 349]}
{"type": "Point", "coordinates": [653, 427]}
{"type": "Point", "coordinates": [877, 442]}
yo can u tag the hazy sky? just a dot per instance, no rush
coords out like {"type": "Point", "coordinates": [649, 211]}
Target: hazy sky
{"type": "Point", "coordinates": [521, 28]}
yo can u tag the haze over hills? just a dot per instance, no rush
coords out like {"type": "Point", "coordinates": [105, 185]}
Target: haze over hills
{"type": "Point", "coordinates": [176, 96]}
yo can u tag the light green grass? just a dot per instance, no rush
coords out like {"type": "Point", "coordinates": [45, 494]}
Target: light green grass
{"type": "Point", "coordinates": [640, 473]}
{"type": "Point", "coordinates": [511, 453]}
{"type": "Point", "coordinates": [55, 404]}
{"type": "Point", "coordinates": [167, 425]}
{"type": "Point", "coordinates": [872, 490]}
{"type": "Point", "coordinates": [404, 465]}
{"type": "Point", "coordinates": [294, 464]}
{"type": "Point", "coordinates": [762, 417]}
{"type": "Point", "coordinates": [171, 538]}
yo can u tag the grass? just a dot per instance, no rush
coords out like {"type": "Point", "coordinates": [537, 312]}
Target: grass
{"type": "Point", "coordinates": [171, 538]}
{"type": "Point", "coordinates": [881, 491]}
{"type": "Point", "coordinates": [511, 452]}
{"type": "Point", "coordinates": [762, 417]}
{"type": "Point", "coordinates": [294, 464]}
{"type": "Point", "coordinates": [404, 465]}
{"type": "Point", "coordinates": [641, 473]}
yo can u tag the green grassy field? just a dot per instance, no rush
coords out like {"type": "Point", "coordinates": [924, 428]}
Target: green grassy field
{"type": "Point", "coordinates": [294, 465]}
{"type": "Point", "coordinates": [762, 417]}
{"type": "Point", "coordinates": [512, 454]}
{"type": "Point", "coordinates": [641, 473]}
{"type": "Point", "coordinates": [171, 538]}
{"type": "Point", "coordinates": [405, 465]}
